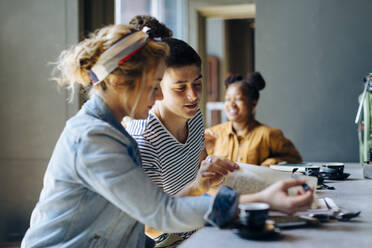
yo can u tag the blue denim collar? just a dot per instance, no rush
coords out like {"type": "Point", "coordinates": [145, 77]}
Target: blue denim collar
{"type": "Point", "coordinates": [96, 107]}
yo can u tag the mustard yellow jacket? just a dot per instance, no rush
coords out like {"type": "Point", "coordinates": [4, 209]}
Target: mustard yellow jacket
{"type": "Point", "coordinates": [262, 145]}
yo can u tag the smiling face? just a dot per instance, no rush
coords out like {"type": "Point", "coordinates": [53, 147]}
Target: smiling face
{"type": "Point", "coordinates": [238, 107]}
{"type": "Point", "coordinates": [182, 88]}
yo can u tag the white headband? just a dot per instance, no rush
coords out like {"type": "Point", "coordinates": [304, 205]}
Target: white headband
{"type": "Point", "coordinates": [120, 52]}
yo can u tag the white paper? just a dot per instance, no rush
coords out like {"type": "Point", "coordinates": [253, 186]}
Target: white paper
{"type": "Point", "coordinates": [252, 178]}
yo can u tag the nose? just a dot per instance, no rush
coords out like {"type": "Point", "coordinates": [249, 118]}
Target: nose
{"type": "Point", "coordinates": [192, 95]}
{"type": "Point", "coordinates": [232, 103]}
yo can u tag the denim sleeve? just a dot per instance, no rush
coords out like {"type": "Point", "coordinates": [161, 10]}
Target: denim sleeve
{"type": "Point", "coordinates": [222, 212]}
{"type": "Point", "coordinates": [104, 165]}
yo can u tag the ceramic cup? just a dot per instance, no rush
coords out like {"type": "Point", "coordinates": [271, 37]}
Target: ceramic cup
{"type": "Point", "coordinates": [333, 168]}
{"type": "Point", "coordinates": [253, 215]}
{"type": "Point", "coordinates": [312, 171]}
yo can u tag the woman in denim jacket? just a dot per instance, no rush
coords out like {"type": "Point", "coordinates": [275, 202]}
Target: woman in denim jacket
{"type": "Point", "coordinates": [95, 193]}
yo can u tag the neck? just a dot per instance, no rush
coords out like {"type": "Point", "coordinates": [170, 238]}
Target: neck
{"type": "Point", "coordinates": [240, 127]}
{"type": "Point", "coordinates": [113, 105]}
{"type": "Point", "coordinates": [176, 125]}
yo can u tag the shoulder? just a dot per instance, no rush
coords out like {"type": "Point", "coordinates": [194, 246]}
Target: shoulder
{"type": "Point", "coordinates": [136, 127]}
{"type": "Point", "coordinates": [141, 129]}
{"type": "Point", "coordinates": [221, 128]}
{"type": "Point", "coordinates": [196, 122]}
{"type": "Point", "coordinates": [198, 118]}
{"type": "Point", "coordinates": [86, 129]}
{"type": "Point", "coordinates": [269, 132]}
{"type": "Point", "coordinates": [148, 133]}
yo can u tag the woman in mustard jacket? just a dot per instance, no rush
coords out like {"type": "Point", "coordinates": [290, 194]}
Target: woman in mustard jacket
{"type": "Point", "coordinates": [243, 138]}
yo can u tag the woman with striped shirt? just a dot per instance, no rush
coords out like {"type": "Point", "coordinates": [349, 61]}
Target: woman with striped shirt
{"type": "Point", "coordinates": [171, 139]}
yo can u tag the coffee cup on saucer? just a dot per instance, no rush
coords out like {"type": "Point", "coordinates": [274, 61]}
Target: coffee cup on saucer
{"type": "Point", "coordinates": [312, 171]}
{"type": "Point", "coordinates": [333, 168]}
{"type": "Point", "coordinates": [253, 215]}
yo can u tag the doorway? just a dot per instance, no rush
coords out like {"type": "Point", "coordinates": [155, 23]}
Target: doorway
{"type": "Point", "coordinates": [226, 45]}
{"type": "Point", "coordinates": [239, 47]}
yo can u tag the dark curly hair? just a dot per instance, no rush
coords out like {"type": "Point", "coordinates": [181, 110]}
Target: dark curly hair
{"type": "Point", "coordinates": [157, 29]}
{"type": "Point", "coordinates": [251, 84]}
{"type": "Point", "coordinates": [181, 53]}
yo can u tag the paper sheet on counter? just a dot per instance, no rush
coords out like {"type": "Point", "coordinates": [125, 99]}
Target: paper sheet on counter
{"type": "Point", "coordinates": [252, 178]}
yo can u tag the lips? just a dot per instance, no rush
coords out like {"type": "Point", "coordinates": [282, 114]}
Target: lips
{"type": "Point", "coordinates": [191, 106]}
{"type": "Point", "coordinates": [233, 111]}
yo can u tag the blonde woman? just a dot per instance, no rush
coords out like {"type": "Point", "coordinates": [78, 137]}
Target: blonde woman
{"type": "Point", "coordinates": [95, 193]}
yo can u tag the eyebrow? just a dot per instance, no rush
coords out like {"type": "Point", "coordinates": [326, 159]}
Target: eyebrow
{"type": "Point", "coordinates": [184, 81]}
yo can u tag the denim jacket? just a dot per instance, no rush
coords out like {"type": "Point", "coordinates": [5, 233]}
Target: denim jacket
{"type": "Point", "coordinates": [95, 193]}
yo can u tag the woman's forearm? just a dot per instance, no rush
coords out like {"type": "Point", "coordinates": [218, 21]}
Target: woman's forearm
{"type": "Point", "coordinates": [256, 197]}
{"type": "Point", "coordinates": [189, 190]}
{"type": "Point", "coordinates": [193, 188]}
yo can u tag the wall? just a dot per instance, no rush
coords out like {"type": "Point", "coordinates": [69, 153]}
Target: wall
{"type": "Point", "coordinates": [33, 110]}
{"type": "Point", "coordinates": [314, 55]}
{"type": "Point", "coordinates": [215, 38]}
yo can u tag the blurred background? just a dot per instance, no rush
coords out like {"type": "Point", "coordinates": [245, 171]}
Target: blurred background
{"type": "Point", "coordinates": [312, 53]}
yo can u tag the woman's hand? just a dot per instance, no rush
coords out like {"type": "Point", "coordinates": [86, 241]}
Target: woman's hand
{"type": "Point", "coordinates": [277, 196]}
{"type": "Point", "coordinates": [213, 170]}
{"type": "Point", "coordinates": [209, 140]}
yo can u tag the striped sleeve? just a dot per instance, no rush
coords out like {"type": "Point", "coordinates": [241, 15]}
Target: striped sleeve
{"type": "Point", "coordinates": [149, 157]}
{"type": "Point", "coordinates": [150, 161]}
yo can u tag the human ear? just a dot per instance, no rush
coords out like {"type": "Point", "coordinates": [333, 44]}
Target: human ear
{"type": "Point", "coordinates": [254, 103]}
{"type": "Point", "coordinates": [115, 81]}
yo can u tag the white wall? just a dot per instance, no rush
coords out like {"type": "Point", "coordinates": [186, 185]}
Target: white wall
{"type": "Point", "coordinates": [215, 39]}
{"type": "Point", "coordinates": [313, 55]}
{"type": "Point", "coordinates": [33, 111]}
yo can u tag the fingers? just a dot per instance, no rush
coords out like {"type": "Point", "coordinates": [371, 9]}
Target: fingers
{"type": "Point", "coordinates": [300, 202]}
{"type": "Point", "coordinates": [209, 179]}
{"type": "Point", "coordinates": [303, 201]}
{"type": "Point", "coordinates": [210, 134]}
{"type": "Point", "coordinates": [208, 166]}
{"type": "Point", "coordinates": [277, 196]}
{"type": "Point", "coordinates": [208, 174]}
{"type": "Point", "coordinates": [221, 164]}
{"type": "Point", "coordinates": [219, 170]}
{"type": "Point", "coordinates": [286, 184]}
{"type": "Point", "coordinates": [226, 163]}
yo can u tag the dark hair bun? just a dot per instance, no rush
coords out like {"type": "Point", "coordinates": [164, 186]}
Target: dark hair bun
{"type": "Point", "coordinates": [256, 80]}
{"type": "Point", "coordinates": [157, 29]}
{"type": "Point", "coordinates": [232, 79]}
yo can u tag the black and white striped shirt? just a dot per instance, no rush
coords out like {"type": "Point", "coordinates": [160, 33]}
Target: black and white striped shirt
{"type": "Point", "coordinates": [170, 164]}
